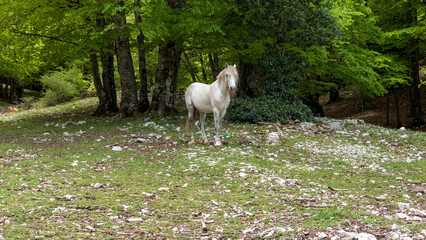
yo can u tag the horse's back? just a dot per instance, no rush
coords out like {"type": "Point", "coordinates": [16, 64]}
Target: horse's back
{"type": "Point", "coordinates": [198, 95]}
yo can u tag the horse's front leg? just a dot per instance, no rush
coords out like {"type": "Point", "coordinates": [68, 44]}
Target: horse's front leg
{"type": "Point", "coordinates": [218, 126]}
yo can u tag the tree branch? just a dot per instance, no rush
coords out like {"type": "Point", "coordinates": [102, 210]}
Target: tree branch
{"type": "Point", "coordinates": [44, 36]}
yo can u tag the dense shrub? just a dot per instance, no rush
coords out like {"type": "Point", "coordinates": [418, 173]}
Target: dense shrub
{"type": "Point", "coordinates": [268, 109]}
{"type": "Point", "coordinates": [62, 86]}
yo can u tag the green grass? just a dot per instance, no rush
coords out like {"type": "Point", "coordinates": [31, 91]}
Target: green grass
{"type": "Point", "coordinates": [63, 150]}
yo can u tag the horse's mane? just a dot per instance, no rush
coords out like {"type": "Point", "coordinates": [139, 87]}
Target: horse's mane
{"type": "Point", "coordinates": [231, 70]}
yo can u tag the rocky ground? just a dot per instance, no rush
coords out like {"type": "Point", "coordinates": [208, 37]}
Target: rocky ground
{"type": "Point", "coordinates": [66, 174]}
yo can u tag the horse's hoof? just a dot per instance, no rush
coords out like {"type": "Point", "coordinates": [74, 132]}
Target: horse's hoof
{"type": "Point", "coordinates": [206, 141]}
{"type": "Point", "coordinates": [218, 145]}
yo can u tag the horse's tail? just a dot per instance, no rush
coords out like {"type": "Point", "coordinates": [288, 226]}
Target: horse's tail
{"type": "Point", "coordinates": [194, 117]}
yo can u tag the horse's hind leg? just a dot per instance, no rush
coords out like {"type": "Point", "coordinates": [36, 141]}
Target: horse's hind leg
{"type": "Point", "coordinates": [191, 112]}
{"type": "Point", "coordinates": [202, 124]}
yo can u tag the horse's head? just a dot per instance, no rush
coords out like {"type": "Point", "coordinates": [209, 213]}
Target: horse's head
{"type": "Point", "coordinates": [231, 77]}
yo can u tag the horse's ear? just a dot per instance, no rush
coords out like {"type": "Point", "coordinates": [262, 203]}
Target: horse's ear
{"type": "Point", "coordinates": [226, 65]}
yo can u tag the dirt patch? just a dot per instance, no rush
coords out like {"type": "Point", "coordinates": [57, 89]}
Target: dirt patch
{"type": "Point", "coordinates": [350, 107]}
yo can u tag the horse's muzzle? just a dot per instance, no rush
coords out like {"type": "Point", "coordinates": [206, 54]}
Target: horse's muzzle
{"type": "Point", "coordinates": [233, 89]}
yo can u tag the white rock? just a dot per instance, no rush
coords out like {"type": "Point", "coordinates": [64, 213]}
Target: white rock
{"type": "Point", "coordinates": [135, 220]}
{"type": "Point", "coordinates": [402, 216]}
{"type": "Point", "coordinates": [273, 138]}
{"type": "Point", "coordinates": [322, 235]}
{"type": "Point", "coordinates": [66, 134]}
{"type": "Point", "coordinates": [98, 185]}
{"type": "Point", "coordinates": [403, 205]}
{"type": "Point", "coordinates": [365, 236]}
{"type": "Point", "coordinates": [345, 234]}
{"type": "Point", "coordinates": [24, 185]}
{"type": "Point", "coordinates": [163, 189]}
{"type": "Point", "coordinates": [90, 228]}
{"type": "Point", "coordinates": [402, 129]}
{"type": "Point", "coordinates": [175, 229]}
{"type": "Point", "coordinates": [74, 164]}
{"type": "Point", "coordinates": [147, 194]}
{"type": "Point", "coordinates": [117, 148]}
{"type": "Point", "coordinates": [68, 197]}
{"type": "Point", "coordinates": [243, 175]}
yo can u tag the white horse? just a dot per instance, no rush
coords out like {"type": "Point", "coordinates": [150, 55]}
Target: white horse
{"type": "Point", "coordinates": [213, 98]}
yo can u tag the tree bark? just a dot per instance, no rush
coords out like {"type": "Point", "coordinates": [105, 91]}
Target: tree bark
{"type": "Point", "coordinates": [169, 57]}
{"type": "Point", "coordinates": [107, 60]}
{"type": "Point", "coordinates": [414, 57]}
{"type": "Point", "coordinates": [397, 114]}
{"type": "Point", "coordinates": [249, 74]}
{"type": "Point", "coordinates": [143, 89]}
{"type": "Point", "coordinates": [387, 109]}
{"type": "Point", "coordinates": [334, 95]}
{"type": "Point", "coordinates": [129, 98]}
{"type": "Point", "coordinates": [214, 65]}
{"type": "Point", "coordinates": [190, 68]}
{"type": "Point", "coordinates": [203, 70]}
{"type": "Point", "coordinates": [102, 105]}
{"type": "Point", "coordinates": [16, 91]}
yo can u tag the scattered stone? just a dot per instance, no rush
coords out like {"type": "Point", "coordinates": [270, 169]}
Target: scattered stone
{"type": "Point", "coordinates": [117, 148]}
{"type": "Point", "coordinates": [321, 235]}
{"type": "Point", "coordinates": [403, 205]}
{"type": "Point", "coordinates": [68, 197]}
{"type": "Point", "coordinates": [90, 228]}
{"type": "Point", "coordinates": [273, 138]}
{"type": "Point", "coordinates": [24, 185]}
{"type": "Point", "coordinates": [98, 185]}
{"type": "Point", "coordinates": [163, 189]}
{"type": "Point", "coordinates": [243, 175]}
{"type": "Point", "coordinates": [134, 220]}
{"type": "Point", "coordinates": [147, 194]}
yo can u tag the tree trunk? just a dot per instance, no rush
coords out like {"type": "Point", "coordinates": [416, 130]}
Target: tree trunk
{"type": "Point", "coordinates": [1, 87]}
{"type": "Point", "coordinates": [16, 91]}
{"type": "Point", "coordinates": [312, 101]}
{"type": "Point", "coordinates": [203, 70]}
{"type": "Point", "coordinates": [143, 90]}
{"type": "Point", "coordinates": [107, 60]}
{"type": "Point", "coordinates": [334, 95]}
{"type": "Point", "coordinates": [414, 57]}
{"type": "Point", "coordinates": [397, 114]}
{"type": "Point", "coordinates": [169, 57]}
{"type": "Point", "coordinates": [387, 109]}
{"type": "Point", "coordinates": [102, 105]}
{"type": "Point", "coordinates": [190, 68]}
{"type": "Point", "coordinates": [214, 65]}
{"type": "Point", "coordinates": [129, 98]}
{"type": "Point", "coordinates": [249, 74]}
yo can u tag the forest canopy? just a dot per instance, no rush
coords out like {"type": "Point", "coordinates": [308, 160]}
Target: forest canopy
{"type": "Point", "coordinates": [137, 55]}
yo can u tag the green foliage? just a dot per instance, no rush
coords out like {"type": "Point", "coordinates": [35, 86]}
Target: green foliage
{"type": "Point", "coordinates": [62, 86]}
{"type": "Point", "coordinates": [268, 109]}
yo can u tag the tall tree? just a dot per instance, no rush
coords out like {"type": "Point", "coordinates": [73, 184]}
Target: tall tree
{"type": "Point", "coordinates": [404, 25]}
{"type": "Point", "coordinates": [143, 89]}
{"type": "Point", "coordinates": [129, 98]}
{"type": "Point", "coordinates": [169, 57]}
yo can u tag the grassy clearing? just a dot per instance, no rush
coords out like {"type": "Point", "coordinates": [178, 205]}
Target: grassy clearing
{"type": "Point", "coordinates": [65, 174]}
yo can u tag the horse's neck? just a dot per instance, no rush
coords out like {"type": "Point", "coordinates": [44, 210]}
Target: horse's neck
{"type": "Point", "coordinates": [221, 86]}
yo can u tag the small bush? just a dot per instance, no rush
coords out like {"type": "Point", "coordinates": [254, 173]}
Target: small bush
{"type": "Point", "coordinates": [62, 86]}
{"type": "Point", "coordinates": [268, 109]}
